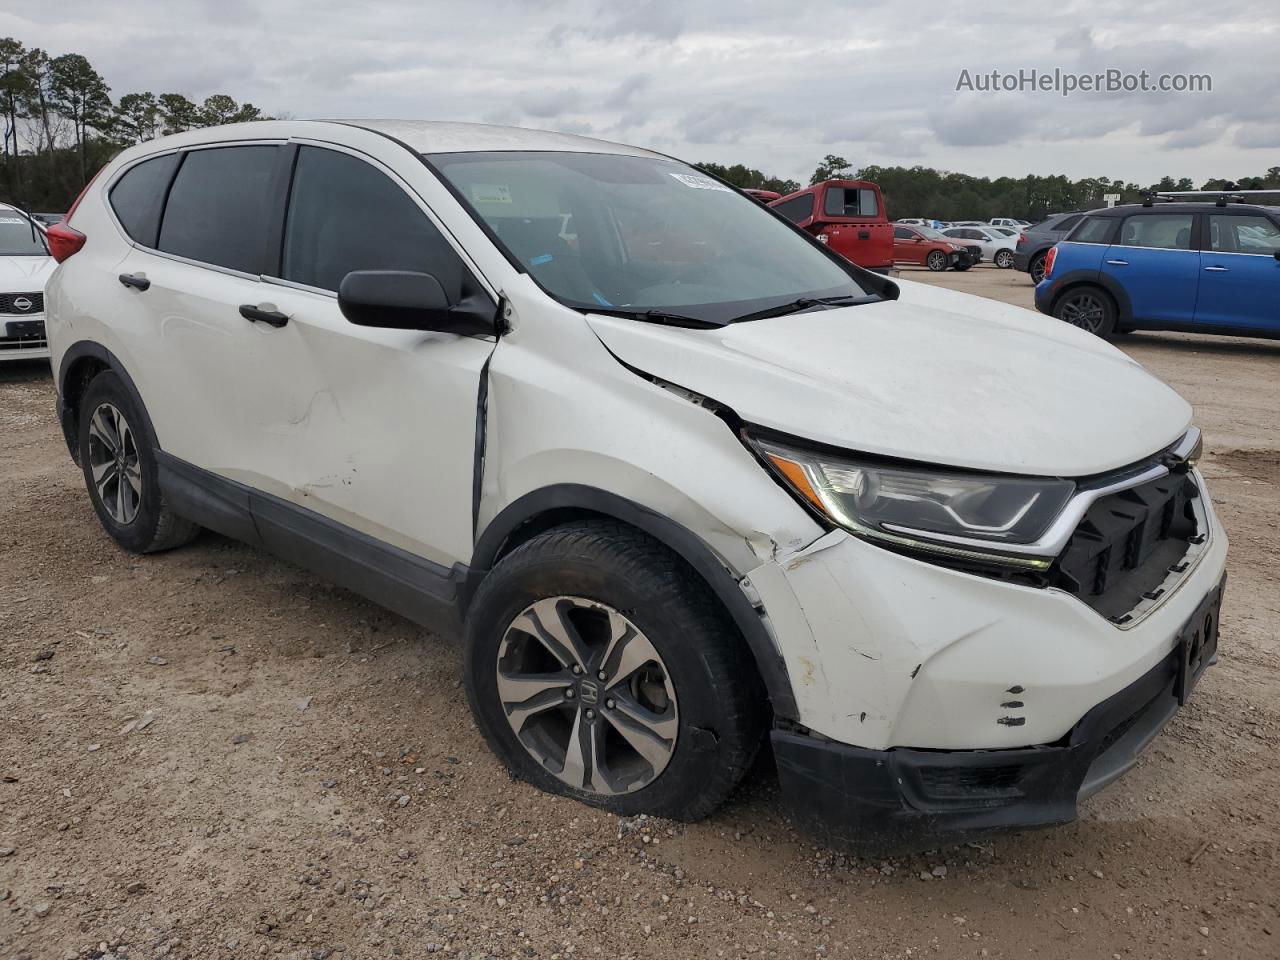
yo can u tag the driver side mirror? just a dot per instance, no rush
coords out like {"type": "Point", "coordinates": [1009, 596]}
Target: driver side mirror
{"type": "Point", "coordinates": [406, 300]}
{"type": "Point", "coordinates": [918, 239]}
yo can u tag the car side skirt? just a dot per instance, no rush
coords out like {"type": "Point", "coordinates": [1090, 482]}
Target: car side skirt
{"type": "Point", "coordinates": [416, 588]}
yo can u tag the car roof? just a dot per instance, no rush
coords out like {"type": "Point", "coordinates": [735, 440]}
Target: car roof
{"type": "Point", "coordinates": [436, 136]}
{"type": "Point", "coordinates": [1201, 207]}
{"type": "Point", "coordinates": [419, 136]}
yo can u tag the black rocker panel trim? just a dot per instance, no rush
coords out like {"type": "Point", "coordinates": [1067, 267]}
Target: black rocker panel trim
{"type": "Point", "coordinates": [416, 588]}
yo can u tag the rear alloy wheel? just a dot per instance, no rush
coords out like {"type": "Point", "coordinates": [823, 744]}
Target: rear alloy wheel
{"type": "Point", "coordinates": [113, 463]}
{"type": "Point", "coordinates": [1089, 309]}
{"type": "Point", "coordinates": [936, 261]}
{"type": "Point", "coordinates": [1036, 269]}
{"type": "Point", "coordinates": [120, 471]}
{"type": "Point", "coordinates": [1004, 259]}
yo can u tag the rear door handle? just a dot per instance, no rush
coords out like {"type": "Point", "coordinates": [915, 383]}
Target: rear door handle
{"type": "Point", "coordinates": [138, 281]}
{"type": "Point", "coordinates": [273, 318]}
{"type": "Point", "coordinates": [1118, 263]}
{"type": "Point", "coordinates": [1217, 269]}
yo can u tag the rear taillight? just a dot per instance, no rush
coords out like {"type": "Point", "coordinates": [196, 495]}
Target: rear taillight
{"type": "Point", "coordinates": [63, 239]}
{"type": "Point", "coordinates": [1049, 259]}
{"type": "Point", "coordinates": [1022, 239]}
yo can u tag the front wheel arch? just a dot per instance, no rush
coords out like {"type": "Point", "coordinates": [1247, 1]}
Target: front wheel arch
{"type": "Point", "coordinates": [556, 505]}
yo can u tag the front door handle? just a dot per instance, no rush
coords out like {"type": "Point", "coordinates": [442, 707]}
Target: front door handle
{"type": "Point", "coordinates": [272, 318]}
{"type": "Point", "coordinates": [1118, 263]}
{"type": "Point", "coordinates": [1217, 269]}
{"type": "Point", "coordinates": [138, 281]}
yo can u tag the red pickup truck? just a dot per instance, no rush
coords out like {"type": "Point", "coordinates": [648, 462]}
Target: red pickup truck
{"type": "Point", "coordinates": [847, 215]}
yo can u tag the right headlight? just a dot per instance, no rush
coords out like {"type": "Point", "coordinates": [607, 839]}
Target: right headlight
{"type": "Point", "coordinates": [950, 512]}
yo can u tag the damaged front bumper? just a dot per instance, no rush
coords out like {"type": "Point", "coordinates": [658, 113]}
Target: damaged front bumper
{"type": "Point", "coordinates": [903, 800]}
{"type": "Point", "coordinates": [934, 703]}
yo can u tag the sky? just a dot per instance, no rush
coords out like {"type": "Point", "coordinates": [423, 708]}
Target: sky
{"type": "Point", "coordinates": [775, 84]}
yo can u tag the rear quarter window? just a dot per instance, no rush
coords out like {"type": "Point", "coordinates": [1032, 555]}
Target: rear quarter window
{"type": "Point", "coordinates": [1092, 230]}
{"type": "Point", "coordinates": [218, 207]}
{"type": "Point", "coordinates": [796, 210]}
{"type": "Point", "coordinates": [851, 202]}
{"type": "Point", "coordinates": [138, 197]}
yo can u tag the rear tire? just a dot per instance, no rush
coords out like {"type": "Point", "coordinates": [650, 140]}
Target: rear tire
{"type": "Point", "coordinates": [647, 642]}
{"type": "Point", "coordinates": [1004, 259]}
{"type": "Point", "coordinates": [936, 261]}
{"type": "Point", "coordinates": [1088, 307]}
{"type": "Point", "coordinates": [120, 471]}
{"type": "Point", "coordinates": [1036, 268]}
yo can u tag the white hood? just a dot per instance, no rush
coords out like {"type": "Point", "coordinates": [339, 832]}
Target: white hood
{"type": "Point", "coordinates": [25, 274]}
{"type": "Point", "coordinates": [936, 376]}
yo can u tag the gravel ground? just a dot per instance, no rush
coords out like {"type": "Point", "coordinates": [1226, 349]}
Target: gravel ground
{"type": "Point", "coordinates": [210, 754]}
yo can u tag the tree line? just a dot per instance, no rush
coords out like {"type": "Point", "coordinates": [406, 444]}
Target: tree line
{"type": "Point", "coordinates": [61, 123]}
{"type": "Point", "coordinates": [926, 192]}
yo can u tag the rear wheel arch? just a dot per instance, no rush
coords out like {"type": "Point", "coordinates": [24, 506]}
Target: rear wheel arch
{"type": "Point", "coordinates": [561, 504]}
{"type": "Point", "coordinates": [81, 363]}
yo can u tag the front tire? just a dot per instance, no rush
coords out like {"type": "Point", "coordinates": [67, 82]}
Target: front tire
{"type": "Point", "coordinates": [120, 471]}
{"type": "Point", "coordinates": [936, 261]}
{"type": "Point", "coordinates": [1004, 259]}
{"type": "Point", "coordinates": [599, 666]}
{"type": "Point", "coordinates": [1089, 308]}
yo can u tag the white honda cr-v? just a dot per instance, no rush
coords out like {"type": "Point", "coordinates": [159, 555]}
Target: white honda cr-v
{"type": "Point", "coordinates": [678, 473]}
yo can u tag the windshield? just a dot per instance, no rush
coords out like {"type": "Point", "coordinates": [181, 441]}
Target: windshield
{"type": "Point", "coordinates": [933, 234]}
{"type": "Point", "coordinates": [19, 237]}
{"type": "Point", "coordinates": [640, 234]}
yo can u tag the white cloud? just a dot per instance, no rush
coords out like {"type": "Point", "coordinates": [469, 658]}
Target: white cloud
{"type": "Point", "coordinates": [775, 84]}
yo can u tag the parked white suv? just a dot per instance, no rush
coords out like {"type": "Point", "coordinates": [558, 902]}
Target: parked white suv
{"type": "Point", "coordinates": [681, 474]}
{"type": "Point", "coordinates": [25, 267]}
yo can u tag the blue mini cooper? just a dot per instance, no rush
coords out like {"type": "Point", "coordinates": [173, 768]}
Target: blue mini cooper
{"type": "Point", "coordinates": [1199, 267]}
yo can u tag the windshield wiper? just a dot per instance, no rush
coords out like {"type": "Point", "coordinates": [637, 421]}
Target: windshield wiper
{"type": "Point", "coordinates": [655, 316]}
{"type": "Point", "coordinates": [804, 303]}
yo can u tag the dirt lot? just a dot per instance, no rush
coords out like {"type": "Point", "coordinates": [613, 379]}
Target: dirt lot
{"type": "Point", "coordinates": [209, 754]}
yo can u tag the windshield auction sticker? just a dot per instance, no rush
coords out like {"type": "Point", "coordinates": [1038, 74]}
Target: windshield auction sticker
{"type": "Point", "coordinates": [490, 193]}
{"type": "Point", "coordinates": [700, 183]}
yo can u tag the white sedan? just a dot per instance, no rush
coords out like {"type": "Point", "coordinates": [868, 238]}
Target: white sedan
{"type": "Point", "coordinates": [997, 247]}
{"type": "Point", "coordinates": [25, 266]}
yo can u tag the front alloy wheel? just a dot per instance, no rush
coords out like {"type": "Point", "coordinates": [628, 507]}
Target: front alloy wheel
{"type": "Point", "coordinates": [936, 261]}
{"type": "Point", "coordinates": [113, 463]}
{"type": "Point", "coordinates": [1004, 259]}
{"type": "Point", "coordinates": [587, 695]}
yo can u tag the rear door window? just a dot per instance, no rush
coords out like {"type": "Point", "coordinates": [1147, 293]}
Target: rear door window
{"type": "Point", "coordinates": [851, 202]}
{"type": "Point", "coordinates": [138, 197]}
{"type": "Point", "coordinates": [1164, 231]}
{"type": "Point", "coordinates": [346, 215]}
{"type": "Point", "coordinates": [1066, 223]}
{"type": "Point", "coordinates": [796, 210]}
{"type": "Point", "coordinates": [219, 210]}
{"type": "Point", "coordinates": [1256, 235]}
